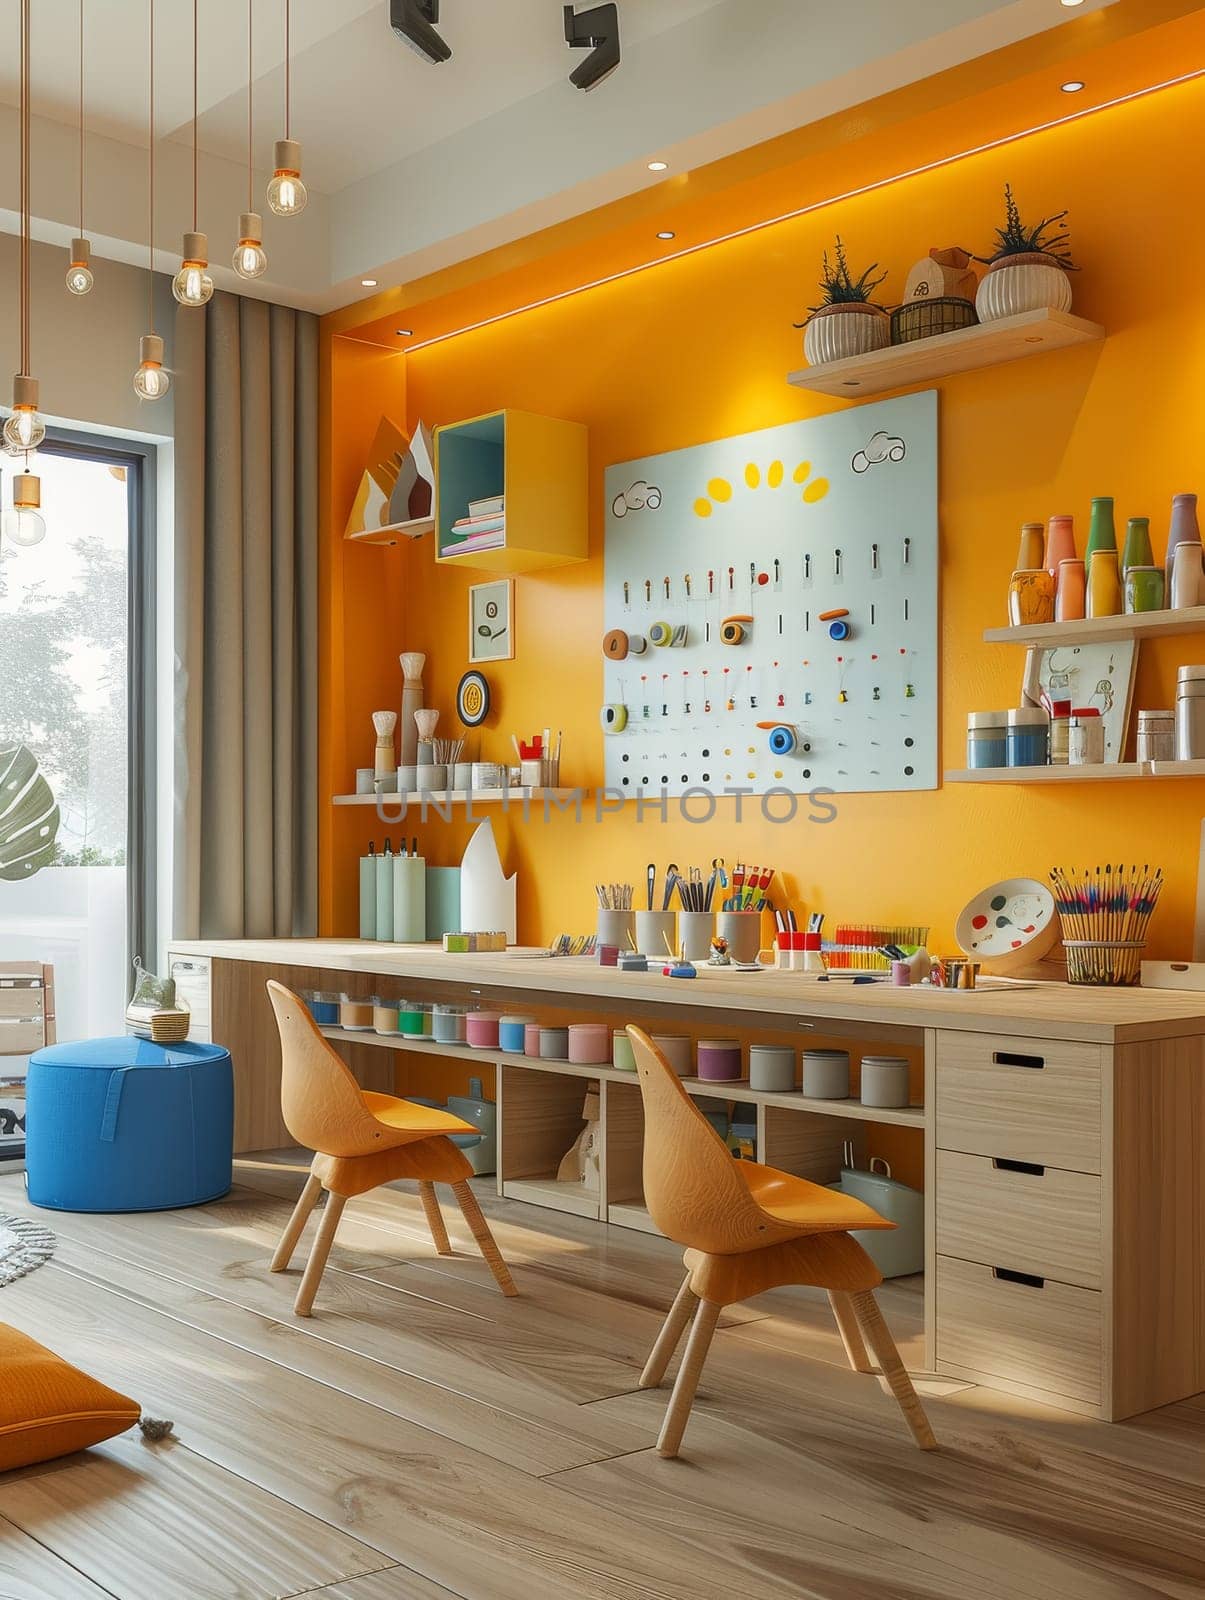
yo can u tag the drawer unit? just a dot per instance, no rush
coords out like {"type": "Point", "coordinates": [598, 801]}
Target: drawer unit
{"type": "Point", "coordinates": [1033, 1219]}
{"type": "Point", "coordinates": [23, 1002]}
{"type": "Point", "coordinates": [1024, 1099]}
{"type": "Point", "coordinates": [1036, 1333]}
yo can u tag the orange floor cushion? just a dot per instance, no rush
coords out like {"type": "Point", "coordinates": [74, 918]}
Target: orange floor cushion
{"type": "Point", "coordinates": [48, 1407]}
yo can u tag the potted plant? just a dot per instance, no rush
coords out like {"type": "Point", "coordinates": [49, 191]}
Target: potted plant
{"type": "Point", "coordinates": [846, 322]}
{"type": "Point", "coordinates": [1029, 269]}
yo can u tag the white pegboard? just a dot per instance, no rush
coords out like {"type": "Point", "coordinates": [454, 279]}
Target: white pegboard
{"type": "Point", "coordinates": [835, 513]}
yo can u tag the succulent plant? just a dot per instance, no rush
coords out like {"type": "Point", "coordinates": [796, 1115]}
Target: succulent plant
{"type": "Point", "coordinates": [838, 286]}
{"type": "Point", "coordinates": [1015, 238]}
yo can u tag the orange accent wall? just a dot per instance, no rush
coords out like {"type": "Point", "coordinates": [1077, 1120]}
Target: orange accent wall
{"type": "Point", "coordinates": [699, 349]}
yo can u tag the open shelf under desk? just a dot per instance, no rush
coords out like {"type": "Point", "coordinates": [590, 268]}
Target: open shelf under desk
{"type": "Point", "coordinates": [550, 1192]}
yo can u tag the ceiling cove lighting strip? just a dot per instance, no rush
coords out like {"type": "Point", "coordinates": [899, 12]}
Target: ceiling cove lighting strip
{"type": "Point", "coordinates": [804, 211]}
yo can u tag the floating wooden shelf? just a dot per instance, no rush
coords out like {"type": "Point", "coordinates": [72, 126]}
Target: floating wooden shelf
{"type": "Point", "coordinates": [394, 532]}
{"type": "Point", "coordinates": [457, 797]}
{"type": "Point", "coordinates": [1098, 630]}
{"type": "Point", "coordinates": [987, 344]}
{"type": "Point", "coordinates": [1101, 772]}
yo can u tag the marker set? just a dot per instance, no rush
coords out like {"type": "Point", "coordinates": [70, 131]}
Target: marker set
{"type": "Point", "coordinates": [771, 623]}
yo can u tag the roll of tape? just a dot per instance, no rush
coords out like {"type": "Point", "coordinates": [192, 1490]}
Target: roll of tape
{"type": "Point", "coordinates": [731, 631]}
{"type": "Point", "coordinates": [614, 718]}
{"type": "Point", "coordinates": [783, 739]}
{"type": "Point", "coordinates": [615, 644]}
{"type": "Point", "coordinates": [837, 631]}
{"type": "Point", "coordinates": [660, 634]}
{"type": "Point", "coordinates": [637, 644]}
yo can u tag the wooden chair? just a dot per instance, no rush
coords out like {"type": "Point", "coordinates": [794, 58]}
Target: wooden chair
{"type": "Point", "coordinates": [362, 1140]}
{"type": "Point", "coordinates": [748, 1228]}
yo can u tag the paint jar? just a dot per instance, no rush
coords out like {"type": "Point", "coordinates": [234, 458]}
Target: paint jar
{"type": "Point", "coordinates": [987, 743]}
{"type": "Point", "coordinates": [675, 1047]}
{"type": "Point", "coordinates": [719, 1060]}
{"type": "Point", "coordinates": [1190, 714]}
{"type": "Point", "coordinates": [512, 1034]}
{"type": "Point", "coordinates": [384, 1016]}
{"type": "Point", "coordinates": [531, 1039]}
{"type": "Point", "coordinates": [826, 1074]}
{"type": "Point", "coordinates": [617, 928]}
{"type": "Point", "coordinates": [695, 929]}
{"type": "Point", "coordinates": [901, 974]}
{"type": "Point", "coordinates": [554, 1044]}
{"type": "Point", "coordinates": [462, 775]}
{"type": "Point", "coordinates": [885, 1081]}
{"type": "Point", "coordinates": [608, 955]}
{"type": "Point", "coordinates": [622, 1054]}
{"type": "Point", "coordinates": [656, 933]}
{"type": "Point", "coordinates": [1060, 732]}
{"type": "Point", "coordinates": [1086, 738]}
{"type": "Point", "coordinates": [1144, 588]}
{"type": "Point", "coordinates": [355, 1013]}
{"type": "Point", "coordinates": [742, 929]}
{"type": "Point", "coordinates": [589, 1044]}
{"type": "Point", "coordinates": [414, 1019]}
{"type": "Point", "coordinates": [365, 780]}
{"type": "Point", "coordinates": [1030, 598]}
{"type": "Point", "coordinates": [323, 1006]}
{"type": "Point", "coordinates": [449, 1024]}
{"type": "Point", "coordinates": [772, 1068]}
{"type": "Point", "coordinates": [1156, 736]}
{"type": "Point", "coordinates": [407, 779]}
{"type": "Point", "coordinates": [481, 1030]}
{"type": "Point", "coordinates": [1028, 732]}
{"type": "Point", "coordinates": [432, 779]}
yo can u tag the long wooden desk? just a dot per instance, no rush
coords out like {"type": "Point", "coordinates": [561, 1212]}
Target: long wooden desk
{"type": "Point", "coordinates": [1063, 1133]}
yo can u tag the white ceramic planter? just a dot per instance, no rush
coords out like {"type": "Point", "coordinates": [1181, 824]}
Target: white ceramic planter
{"type": "Point", "coordinates": [838, 332]}
{"type": "Point", "coordinates": [1029, 283]}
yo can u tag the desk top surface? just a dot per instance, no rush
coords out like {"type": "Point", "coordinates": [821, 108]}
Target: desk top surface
{"type": "Point", "coordinates": [1106, 1016]}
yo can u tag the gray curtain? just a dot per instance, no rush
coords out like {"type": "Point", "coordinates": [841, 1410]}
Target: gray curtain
{"type": "Point", "coordinates": [246, 614]}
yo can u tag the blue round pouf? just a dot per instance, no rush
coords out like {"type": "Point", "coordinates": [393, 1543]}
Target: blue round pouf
{"type": "Point", "coordinates": [127, 1125]}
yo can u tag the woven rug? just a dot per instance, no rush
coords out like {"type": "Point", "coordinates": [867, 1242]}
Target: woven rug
{"type": "Point", "coordinates": [24, 1245]}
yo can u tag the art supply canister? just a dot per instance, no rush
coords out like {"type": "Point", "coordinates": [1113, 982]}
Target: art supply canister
{"type": "Point", "coordinates": [554, 1044]}
{"type": "Point", "coordinates": [384, 918]}
{"type": "Point", "coordinates": [742, 930]}
{"type": "Point", "coordinates": [622, 1055]}
{"type": "Point", "coordinates": [365, 780]}
{"type": "Point", "coordinates": [987, 739]}
{"type": "Point", "coordinates": [489, 775]}
{"type": "Point", "coordinates": [384, 1016]}
{"type": "Point", "coordinates": [772, 1068]}
{"type": "Point", "coordinates": [368, 894]}
{"type": "Point", "coordinates": [1086, 737]}
{"type": "Point", "coordinates": [656, 933]}
{"type": "Point", "coordinates": [414, 1019]}
{"type": "Point", "coordinates": [355, 1014]}
{"type": "Point", "coordinates": [885, 1081]}
{"type": "Point", "coordinates": [482, 1030]}
{"type": "Point", "coordinates": [695, 929]}
{"type": "Point", "coordinates": [1028, 731]}
{"type": "Point", "coordinates": [826, 1074]}
{"type": "Point", "coordinates": [1156, 736]}
{"type": "Point", "coordinates": [782, 941]}
{"type": "Point", "coordinates": [589, 1044]}
{"type": "Point", "coordinates": [511, 1034]}
{"type": "Point", "coordinates": [1190, 713]}
{"type": "Point", "coordinates": [675, 1047]}
{"type": "Point", "coordinates": [617, 928]}
{"type": "Point", "coordinates": [450, 1024]}
{"type": "Point", "coordinates": [531, 1039]}
{"type": "Point", "coordinates": [409, 899]}
{"type": "Point", "coordinates": [431, 778]}
{"type": "Point", "coordinates": [719, 1060]}
{"type": "Point", "coordinates": [323, 1006]}
{"type": "Point", "coordinates": [462, 775]}
{"type": "Point", "coordinates": [407, 780]}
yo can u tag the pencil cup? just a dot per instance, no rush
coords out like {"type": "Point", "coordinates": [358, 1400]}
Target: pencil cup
{"type": "Point", "coordinates": [617, 928]}
{"type": "Point", "coordinates": [677, 1050]}
{"type": "Point", "coordinates": [531, 774]}
{"type": "Point", "coordinates": [742, 929]}
{"type": "Point", "coordinates": [694, 934]}
{"type": "Point", "coordinates": [407, 779]}
{"type": "Point", "coordinates": [432, 779]}
{"type": "Point", "coordinates": [462, 775]}
{"type": "Point", "coordinates": [656, 932]}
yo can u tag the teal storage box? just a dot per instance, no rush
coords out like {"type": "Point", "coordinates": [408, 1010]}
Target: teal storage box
{"type": "Point", "coordinates": [126, 1125]}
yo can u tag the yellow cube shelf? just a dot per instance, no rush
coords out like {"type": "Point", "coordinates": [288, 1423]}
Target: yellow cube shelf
{"type": "Point", "coordinates": [539, 464]}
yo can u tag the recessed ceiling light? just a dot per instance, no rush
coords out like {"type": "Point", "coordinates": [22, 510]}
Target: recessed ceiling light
{"type": "Point", "coordinates": [1071, 3]}
{"type": "Point", "coordinates": [666, 233]}
{"type": "Point", "coordinates": [368, 283]}
{"type": "Point", "coordinates": [403, 333]}
{"type": "Point", "coordinates": [658, 166]}
{"type": "Point", "coordinates": [1072, 86]}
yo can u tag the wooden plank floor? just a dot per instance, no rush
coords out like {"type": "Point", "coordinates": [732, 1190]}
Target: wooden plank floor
{"type": "Point", "coordinates": [421, 1438]}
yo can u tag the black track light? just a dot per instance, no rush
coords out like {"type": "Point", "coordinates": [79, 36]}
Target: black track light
{"type": "Point", "coordinates": [596, 30]}
{"type": "Point", "coordinates": [414, 23]}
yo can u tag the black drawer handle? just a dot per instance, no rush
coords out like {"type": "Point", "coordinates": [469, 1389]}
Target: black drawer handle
{"type": "Point", "coordinates": [1027, 1278]}
{"type": "Point", "coordinates": [1010, 1058]}
{"type": "Point", "coordinates": [1002, 1164]}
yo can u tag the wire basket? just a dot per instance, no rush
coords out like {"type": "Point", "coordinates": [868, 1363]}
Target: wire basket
{"type": "Point", "coordinates": [1116, 963]}
{"type": "Point", "coordinates": [926, 319]}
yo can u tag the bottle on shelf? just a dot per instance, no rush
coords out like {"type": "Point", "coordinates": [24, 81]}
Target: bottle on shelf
{"type": "Point", "coordinates": [1183, 529]}
{"type": "Point", "coordinates": [1032, 550]}
{"type": "Point", "coordinates": [1060, 543]}
{"type": "Point", "coordinates": [1144, 590]}
{"type": "Point", "coordinates": [1137, 552]}
{"type": "Point", "coordinates": [1104, 584]}
{"type": "Point", "coordinates": [1102, 533]}
{"type": "Point", "coordinates": [1071, 594]}
{"type": "Point", "coordinates": [1187, 575]}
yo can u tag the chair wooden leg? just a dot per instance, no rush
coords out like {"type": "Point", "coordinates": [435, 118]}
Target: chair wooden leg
{"type": "Point", "coordinates": [316, 1265]}
{"type": "Point", "coordinates": [296, 1224]}
{"type": "Point", "coordinates": [878, 1336]}
{"type": "Point", "coordinates": [668, 1339]}
{"type": "Point", "coordinates": [467, 1201]}
{"type": "Point", "coordinates": [683, 1397]}
{"type": "Point", "coordinates": [851, 1334]}
{"type": "Point", "coordinates": [435, 1221]}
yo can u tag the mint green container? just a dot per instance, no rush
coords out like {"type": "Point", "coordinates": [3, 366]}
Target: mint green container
{"type": "Point", "coordinates": [622, 1055]}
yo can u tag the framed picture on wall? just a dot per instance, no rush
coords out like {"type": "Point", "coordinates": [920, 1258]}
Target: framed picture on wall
{"type": "Point", "coordinates": [1098, 675]}
{"type": "Point", "coordinates": [492, 621]}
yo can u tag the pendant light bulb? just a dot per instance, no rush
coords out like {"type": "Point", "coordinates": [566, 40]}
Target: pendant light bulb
{"type": "Point", "coordinates": [151, 379]}
{"type": "Point", "coordinates": [286, 193]}
{"type": "Point", "coordinates": [79, 273]}
{"type": "Point", "coordinates": [250, 258]}
{"type": "Point", "coordinates": [24, 430]}
{"type": "Point", "coordinates": [192, 285]}
{"type": "Point", "coordinates": [24, 523]}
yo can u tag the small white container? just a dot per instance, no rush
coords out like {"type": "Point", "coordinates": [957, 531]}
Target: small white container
{"type": "Point", "coordinates": [407, 779]}
{"type": "Point", "coordinates": [826, 1074]}
{"type": "Point", "coordinates": [432, 779]}
{"type": "Point", "coordinates": [617, 928]}
{"type": "Point", "coordinates": [676, 1048]}
{"type": "Point", "coordinates": [1190, 713]}
{"type": "Point", "coordinates": [885, 1081]}
{"type": "Point", "coordinates": [1086, 741]}
{"type": "Point", "coordinates": [531, 774]}
{"type": "Point", "coordinates": [488, 775]}
{"type": "Point", "coordinates": [772, 1068]}
{"type": "Point", "coordinates": [365, 780]}
{"type": "Point", "coordinates": [462, 775]}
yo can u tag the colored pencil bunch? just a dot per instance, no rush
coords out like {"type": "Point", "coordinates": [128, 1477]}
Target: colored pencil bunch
{"type": "Point", "coordinates": [859, 947]}
{"type": "Point", "coordinates": [1105, 912]}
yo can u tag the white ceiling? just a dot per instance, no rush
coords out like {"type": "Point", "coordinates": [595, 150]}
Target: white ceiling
{"type": "Point", "coordinates": [412, 166]}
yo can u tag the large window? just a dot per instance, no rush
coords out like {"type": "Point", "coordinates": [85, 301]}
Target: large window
{"type": "Point", "coordinates": [74, 727]}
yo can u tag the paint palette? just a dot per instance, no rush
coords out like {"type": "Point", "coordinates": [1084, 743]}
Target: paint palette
{"type": "Point", "coordinates": [1009, 925]}
{"type": "Point", "coordinates": [771, 610]}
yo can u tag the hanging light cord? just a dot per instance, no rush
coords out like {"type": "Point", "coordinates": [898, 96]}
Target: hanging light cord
{"type": "Point", "coordinates": [288, 75]}
{"type": "Point", "coordinates": [150, 232]}
{"type": "Point", "coordinates": [81, 118]}
{"type": "Point", "coordinates": [250, 106]}
{"type": "Point", "coordinates": [25, 121]}
{"type": "Point", "coordinates": [194, 114]}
